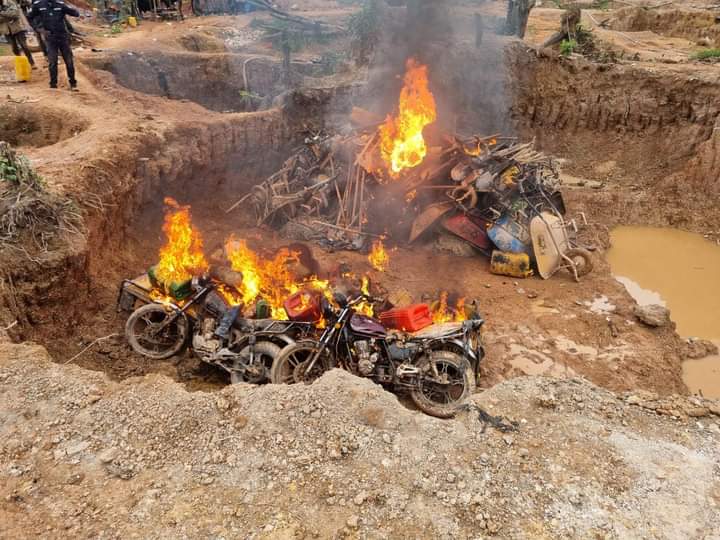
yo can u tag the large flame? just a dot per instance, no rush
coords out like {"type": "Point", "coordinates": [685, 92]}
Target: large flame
{"type": "Point", "coordinates": [378, 256]}
{"type": "Point", "coordinates": [268, 279]}
{"type": "Point", "coordinates": [402, 144]}
{"type": "Point", "coordinates": [182, 256]}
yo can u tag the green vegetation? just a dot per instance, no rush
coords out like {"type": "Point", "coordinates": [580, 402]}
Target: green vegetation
{"type": "Point", "coordinates": [249, 99]}
{"type": "Point", "coordinates": [568, 46]}
{"type": "Point", "coordinates": [706, 54]}
{"type": "Point", "coordinates": [582, 35]}
{"type": "Point", "coordinates": [16, 170]}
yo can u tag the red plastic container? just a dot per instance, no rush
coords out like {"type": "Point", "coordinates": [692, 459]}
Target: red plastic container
{"type": "Point", "coordinates": [409, 319]}
{"type": "Point", "coordinates": [303, 306]}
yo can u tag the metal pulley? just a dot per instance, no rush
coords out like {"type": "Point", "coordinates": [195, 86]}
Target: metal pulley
{"type": "Point", "coordinates": [465, 196]}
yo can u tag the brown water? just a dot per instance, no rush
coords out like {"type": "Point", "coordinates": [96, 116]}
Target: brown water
{"type": "Point", "coordinates": [682, 271]}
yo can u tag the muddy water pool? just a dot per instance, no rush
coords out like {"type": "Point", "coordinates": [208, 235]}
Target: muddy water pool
{"type": "Point", "coordinates": [680, 270]}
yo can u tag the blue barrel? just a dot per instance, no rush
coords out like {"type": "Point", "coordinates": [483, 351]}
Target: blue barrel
{"type": "Point", "coordinates": [509, 235]}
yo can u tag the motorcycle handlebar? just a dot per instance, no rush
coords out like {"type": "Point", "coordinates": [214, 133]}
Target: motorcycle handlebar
{"type": "Point", "coordinates": [363, 297]}
{"type": "Point", "coordinates": [357, 300]}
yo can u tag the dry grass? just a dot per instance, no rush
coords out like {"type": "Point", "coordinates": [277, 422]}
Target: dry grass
{"type": "Point", "coordinates": [28, 211]}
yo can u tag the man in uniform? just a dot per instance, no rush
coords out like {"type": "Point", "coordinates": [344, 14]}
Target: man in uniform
{"type": "Point", "coordinates": [12, 27]}
{"type": "Point", "coordinates": [51, 16]}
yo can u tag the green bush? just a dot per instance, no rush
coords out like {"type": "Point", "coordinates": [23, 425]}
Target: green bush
{"type": "Point", "coordinates": [704, 55]}
{"type": "Point", "coordinates": [567, 46]}
{"type": "Point", "coordinates": [15, 169]}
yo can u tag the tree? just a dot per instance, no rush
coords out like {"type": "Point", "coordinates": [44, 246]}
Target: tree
{"type": "Point", "coordinates": [516, 20]}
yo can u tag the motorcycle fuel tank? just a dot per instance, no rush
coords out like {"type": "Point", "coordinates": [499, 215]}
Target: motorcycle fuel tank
{"type": "Point", "coordinates": [367, 326]}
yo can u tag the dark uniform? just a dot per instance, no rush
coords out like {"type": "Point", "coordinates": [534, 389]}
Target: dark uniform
{"type": "Point", "coordinates": [51, 16]}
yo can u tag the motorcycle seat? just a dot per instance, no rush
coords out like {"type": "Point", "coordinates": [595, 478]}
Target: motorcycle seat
{"type": "Point", "coordinates": [436, 331]}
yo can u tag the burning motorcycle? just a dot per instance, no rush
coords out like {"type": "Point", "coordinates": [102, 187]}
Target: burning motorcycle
{"type": "Point", "coordinates": [438, 365]}
{"type": "Point", "coordinates": [205, 321]}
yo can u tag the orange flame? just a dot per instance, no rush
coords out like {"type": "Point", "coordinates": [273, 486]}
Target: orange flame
{"type": "Point", "coordinates": [182, 256]}
{"type": "Point", "coordinates": [402, 144]}
{"type": "Point", "coordinates": [378, 256]}
{"type": "Point", "coordinates": [443, 313]}
{"type": "Point", "coordinates": [477, 147]}
{"type": "Point", "coordinates": [365, 308]}
{"type": "Point", "coordinates": [269, 279]}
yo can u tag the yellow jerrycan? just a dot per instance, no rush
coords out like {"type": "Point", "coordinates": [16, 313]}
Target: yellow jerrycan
{"type": "Point", "coordinates": [510, 264]}
{"type": "Point", "coordinates": [22, 69]}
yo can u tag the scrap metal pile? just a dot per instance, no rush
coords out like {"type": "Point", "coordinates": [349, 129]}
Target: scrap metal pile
{"type": "Point", "coordinates": [488, 191]}
{"type": "Point", "coordinates": [401, 177]}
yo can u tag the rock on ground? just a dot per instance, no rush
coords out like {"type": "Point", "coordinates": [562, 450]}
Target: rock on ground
{"type": "Point", "coordinates": [81, 456]}
{"type": "Point", "coordinates": [653, 315]}
{"type": "Point", "coordinates": [448, 243]}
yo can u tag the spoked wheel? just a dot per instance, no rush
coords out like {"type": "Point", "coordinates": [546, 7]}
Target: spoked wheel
{"type": "Point", "coordinates": [445, 382]}
{"type": "Point", "coordinates": [255, 363]}
{"type": "Point", "coordinates": [149, 334]}
{"type": "Point", "coordinates": [290, 367]}
{"type": "Point", "coordinates": [581, 259]}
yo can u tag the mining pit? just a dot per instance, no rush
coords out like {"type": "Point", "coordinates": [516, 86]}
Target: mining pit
{"type": "Point", "coordinates": [575, 110]}
{"type": "Point", "coordinates": [201, 111]}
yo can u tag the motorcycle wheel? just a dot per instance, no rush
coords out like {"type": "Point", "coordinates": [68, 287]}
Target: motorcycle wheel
{"type": "Point", "coordinates": [267, 352]}
{"type": "Point", "coordinates": [197, 7]}
{"type": "Point", "coordinates": [442, 396]}
{"type": "Point", "coordinates": [143, 334]}
{"type": "Point", "coordinates": [288, 367]}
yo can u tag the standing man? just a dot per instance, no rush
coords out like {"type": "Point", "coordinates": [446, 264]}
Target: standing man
{"type": "Point", "coordinates": [51, 16]}
{"type": "Point", "coordinates": [25, 5]}
{"type": "Point", "coordinates": [12, 27]}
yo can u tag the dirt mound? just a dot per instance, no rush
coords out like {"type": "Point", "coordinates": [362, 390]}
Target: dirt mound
{"type": "Point", "coordinates": [25, 124]}
{"type": "Point", "coordinates": [201, 42]}
{"type": "Point", "coordinates": [691, 25]}
{"type": "Point", "coordinates": [87, 457]}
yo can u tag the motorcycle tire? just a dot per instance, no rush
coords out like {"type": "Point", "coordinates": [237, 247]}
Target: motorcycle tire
{"type": "Point", "coordinates": [287, 367]}
{"type": "Point", "coordinates": [268, 353]}
{"type": "Point", "coordinates": [441, 399]}
{"type": "Point", "coordinates": [168, 344]}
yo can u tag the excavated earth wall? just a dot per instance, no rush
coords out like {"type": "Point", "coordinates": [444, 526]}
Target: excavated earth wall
{"type": "Point", "coordinates": [137, 172]}
{"type": "Point", "coordinates": [653, 135]}
{"type": "Point", "coordinates": [692, 25]}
